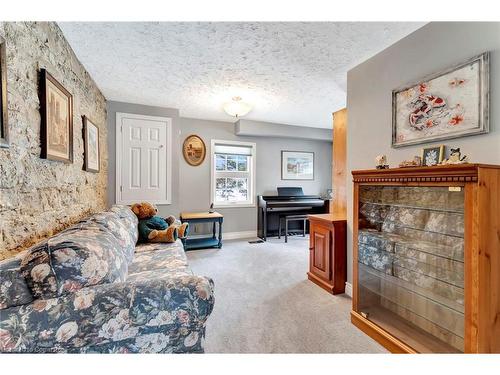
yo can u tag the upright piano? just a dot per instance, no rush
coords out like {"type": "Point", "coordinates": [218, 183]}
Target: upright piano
{"type": "Point", "coordinates": [289, 201]}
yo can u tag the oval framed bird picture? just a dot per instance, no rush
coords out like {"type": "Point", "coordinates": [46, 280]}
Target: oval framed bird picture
{"type": "Point", "coordinates": [194, 150]}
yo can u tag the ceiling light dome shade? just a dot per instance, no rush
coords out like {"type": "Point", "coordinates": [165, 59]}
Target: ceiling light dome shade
{"type": "Point", "coordinates": [237, 107]}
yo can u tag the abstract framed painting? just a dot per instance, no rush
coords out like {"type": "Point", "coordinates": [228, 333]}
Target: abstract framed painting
{"type": "Point", "coordinates": [297, 165]}
{"type": "Point", "coordinates": [4, 125]}
{"type": "Point", "coordinates": [450, 104]}
{"type": "Point", "coordinates": [56, 105]}
{"type": "Point", "coordinates": [91, 160]}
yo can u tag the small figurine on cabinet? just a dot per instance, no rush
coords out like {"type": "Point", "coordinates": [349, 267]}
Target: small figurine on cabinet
{"type": "Point", "coordinates": [456, 157]}
{"type": "Point", "coordinates": [381, 162]}
{"type": "Point", "coordinates": [415, 162]}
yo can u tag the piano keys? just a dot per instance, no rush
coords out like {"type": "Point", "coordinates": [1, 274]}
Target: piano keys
{"type": "Point", "coordinates": [289, 201]}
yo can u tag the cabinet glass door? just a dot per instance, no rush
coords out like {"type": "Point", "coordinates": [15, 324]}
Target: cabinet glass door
{"type": "Point", "coordinates": [411, 264]}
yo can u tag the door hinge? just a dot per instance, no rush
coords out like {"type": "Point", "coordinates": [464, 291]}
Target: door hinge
{"type": "Point", "coordinates": [121, 188]}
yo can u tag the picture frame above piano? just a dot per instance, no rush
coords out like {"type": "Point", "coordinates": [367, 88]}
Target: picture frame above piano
{"type": "Point", "coordinates": [297, 165]}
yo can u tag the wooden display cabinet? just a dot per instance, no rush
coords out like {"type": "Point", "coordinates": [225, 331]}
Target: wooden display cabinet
{"type": "Point", "coordinates": [327, 249]}
{"type": "Point", "coordinates": [426, 258]}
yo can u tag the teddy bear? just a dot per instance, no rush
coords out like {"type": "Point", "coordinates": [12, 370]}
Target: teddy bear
{"type": "Point", "coordinates": [153, 228]}
{"type": "Point", "coordinates": [182, 228]}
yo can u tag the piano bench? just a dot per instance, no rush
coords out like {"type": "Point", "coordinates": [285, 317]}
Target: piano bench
{"type": "Point", "coordinates": [289, 218]}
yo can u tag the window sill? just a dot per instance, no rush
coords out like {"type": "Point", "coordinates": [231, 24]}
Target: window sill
{"type": "Point", "coordinates": [235, 205]}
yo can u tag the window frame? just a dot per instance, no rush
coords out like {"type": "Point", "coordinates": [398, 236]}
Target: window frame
{"type": "Point", "coordinates": [236, 174]}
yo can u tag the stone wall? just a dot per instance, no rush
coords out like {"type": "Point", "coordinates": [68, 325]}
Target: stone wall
{"type": "Point", "coordinates": [40, 197]}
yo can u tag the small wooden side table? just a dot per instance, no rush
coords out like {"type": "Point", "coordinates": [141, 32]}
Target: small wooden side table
{"type": "Point", "coordinates": [206, 241]}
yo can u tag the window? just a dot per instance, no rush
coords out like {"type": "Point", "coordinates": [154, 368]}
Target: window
{"type": "Point", "coordinates": [233, 173]}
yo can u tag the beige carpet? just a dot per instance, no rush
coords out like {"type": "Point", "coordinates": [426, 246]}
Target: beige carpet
{"type": "Point", "coordinates": [265, 304]}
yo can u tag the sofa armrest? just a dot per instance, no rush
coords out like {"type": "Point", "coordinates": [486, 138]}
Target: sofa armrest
{"type": "Point", "coordinates": [171, 307]}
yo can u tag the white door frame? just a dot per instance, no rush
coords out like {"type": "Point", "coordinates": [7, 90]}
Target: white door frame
{"type": "Point", "coordinates": [119, 151]}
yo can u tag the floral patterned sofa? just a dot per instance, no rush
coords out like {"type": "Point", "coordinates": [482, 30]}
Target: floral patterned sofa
{"type": "Point", "coordinates": [91, 289]}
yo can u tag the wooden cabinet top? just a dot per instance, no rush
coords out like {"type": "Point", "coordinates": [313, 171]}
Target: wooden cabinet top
{"type": "Point", "coordinates": [327, 217]}
{"type": "Point", "coordinates": [440, 173]}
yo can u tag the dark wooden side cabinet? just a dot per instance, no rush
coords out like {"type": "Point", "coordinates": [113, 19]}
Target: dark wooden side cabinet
{"type": "Point", "coordinates": [327, 252]}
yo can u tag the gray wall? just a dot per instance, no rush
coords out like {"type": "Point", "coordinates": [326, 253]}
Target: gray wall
{"type": "Point", "coordinates": [195, 181]}
{"type": "Point", "coordinates": [191, 185]}
{"type": "Point", "coordinates": [113, 108]}
{"type": "Point", "coordinates": [270, 129]}
{"type": "Point", "coordinates": [429, 49]}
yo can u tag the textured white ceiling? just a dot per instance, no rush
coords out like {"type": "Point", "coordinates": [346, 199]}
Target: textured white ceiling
{"type": "Point", "coordinates": [292, 73]}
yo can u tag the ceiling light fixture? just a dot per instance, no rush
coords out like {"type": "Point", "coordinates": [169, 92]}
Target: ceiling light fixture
{"type": "Point", "coordinates": [237, 107]}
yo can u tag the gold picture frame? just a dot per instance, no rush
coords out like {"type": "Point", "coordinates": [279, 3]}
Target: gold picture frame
{"type": "Point", "coordinates": [432, 155]}
{"type": "Point", "coordinates": [194, 150]}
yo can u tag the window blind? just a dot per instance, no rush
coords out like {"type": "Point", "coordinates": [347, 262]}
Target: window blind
{"type": "Point", "coordinates": [232, 150]}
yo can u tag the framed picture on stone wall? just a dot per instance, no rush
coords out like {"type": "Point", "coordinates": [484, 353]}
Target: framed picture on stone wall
{"type": "Point", "coordinates": [56, 105]}
{"type": "Point", "coordinates": [91, 146]}
{"type": "Point", "coordinates": [449, 104]}
{"type": "Point", "coordinates": [4, 126]}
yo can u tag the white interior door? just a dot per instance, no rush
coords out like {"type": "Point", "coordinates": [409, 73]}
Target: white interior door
{"type": "Point", "coordinates": [143, 161]}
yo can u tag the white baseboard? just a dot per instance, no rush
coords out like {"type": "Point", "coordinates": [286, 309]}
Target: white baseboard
{"type": "Point", "coordinates": [238, 235]}
{"type": "Point", "coordinates": [348, 289]}
{"type": "Point", "coordinates": [230, 235]}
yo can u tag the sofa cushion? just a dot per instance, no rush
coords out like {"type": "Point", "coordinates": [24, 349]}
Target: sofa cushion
{"type": "Point", "coordinates": [129, 220]}
{"type": "Point", "coordinates": [13, 288]}
{"type": "Point", "coordinates": [169, 259]}
{"type": "Point", "coordinates": [112, 222]}
{"type": "Point", "coordinates": [80, 256]}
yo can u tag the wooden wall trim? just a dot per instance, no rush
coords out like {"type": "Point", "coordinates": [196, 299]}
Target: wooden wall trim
{"type": "Point", "coordinates": [441, 173]}
{"type": "Point", "coordinates": [339, 165]}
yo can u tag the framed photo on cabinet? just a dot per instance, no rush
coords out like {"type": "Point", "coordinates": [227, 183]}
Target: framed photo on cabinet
{"type": "Point", "coordinates": [4, 126]}
{"type": "Point", "coordinates": [56, 104]}
{"type": "Point", "coordinates": [91, 146]}
{"type": "Point", "coordinates": [433, 155]}
{"type": "Point", "coordinates": [450, 104]}
{"type": "Point", "coordinates": [297, 165]}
